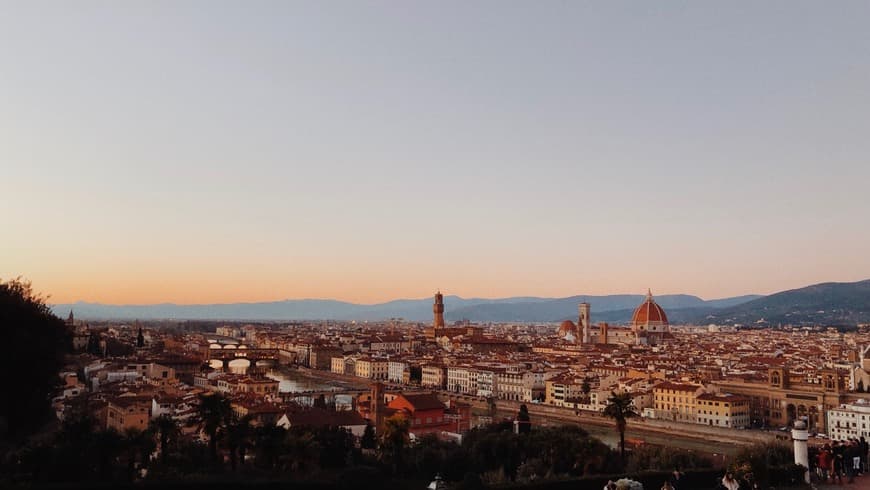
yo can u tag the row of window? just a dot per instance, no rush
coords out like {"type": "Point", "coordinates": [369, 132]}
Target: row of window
{"type": "Point", "coordinates": [737, 423]}
{"type": "Point", "coordinates": [846, 415]}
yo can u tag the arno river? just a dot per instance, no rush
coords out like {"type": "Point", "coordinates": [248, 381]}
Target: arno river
{"type": "Point", "coordinates": [302, 381]}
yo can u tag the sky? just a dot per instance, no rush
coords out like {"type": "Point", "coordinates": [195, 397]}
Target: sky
{"type": "Point", "coordinates": [213, 151]}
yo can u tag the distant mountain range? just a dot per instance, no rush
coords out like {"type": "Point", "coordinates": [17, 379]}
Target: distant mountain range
{"type": "Point", "coordinates": [517, 309]}
{"type": "Point", "coordinates": [829, 303]}
{"type": "Point", "coordinates": [612, 308]}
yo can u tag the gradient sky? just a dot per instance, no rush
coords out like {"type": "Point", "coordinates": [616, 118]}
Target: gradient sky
{"type": "Point", "coordinates": [242, 151]}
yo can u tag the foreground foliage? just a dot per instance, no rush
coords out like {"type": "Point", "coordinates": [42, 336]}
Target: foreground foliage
{"type": "Point", "coordinates": [38, 340]}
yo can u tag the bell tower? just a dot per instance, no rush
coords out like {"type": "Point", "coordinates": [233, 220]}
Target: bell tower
{"type": "Point", "coordinates": [583, 323]}
{"type": "Point", "coordinates": [438, 311]}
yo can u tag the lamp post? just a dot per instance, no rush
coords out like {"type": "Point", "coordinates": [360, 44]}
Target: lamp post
{"type": "Point", "coordinates": [800, 435]}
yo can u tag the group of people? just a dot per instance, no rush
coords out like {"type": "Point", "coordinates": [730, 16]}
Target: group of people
{"type": "Point", "coordinates": [728, 482]}
{"type": "Point", "coordinates": [675, 480]}
{"type": "Point", "coordinates": [841, 458]}
{"type": "Point", "coordinates": [831, 462]}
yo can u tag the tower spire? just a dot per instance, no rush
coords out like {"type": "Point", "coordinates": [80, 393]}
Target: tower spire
{"type": "Point", "coordinates": [438, 310]}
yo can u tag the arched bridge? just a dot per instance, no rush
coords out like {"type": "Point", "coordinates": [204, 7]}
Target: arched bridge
{"type": "Point", "coordinates": [251, 355]}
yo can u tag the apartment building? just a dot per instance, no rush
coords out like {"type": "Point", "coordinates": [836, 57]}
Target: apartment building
{"type": "Point", "coordinates": [849, 421]}
{"type": "Point", "coordinates": [434, 376]}
{"type": "Point", "coordinates": [722, 410]}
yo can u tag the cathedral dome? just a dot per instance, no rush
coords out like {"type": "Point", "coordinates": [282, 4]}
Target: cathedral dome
{"type": "Point", "coordinates": [649, 314]}
{"type": "Point", "coordinates": [565, 328]}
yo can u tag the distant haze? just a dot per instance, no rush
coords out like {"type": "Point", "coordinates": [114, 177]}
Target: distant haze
{"type": "Point", "coordinates": [521, 309]}
{"type": "Point", "coordinates": [214, 151]}
{"type": "Point", "coordinates": [827, 304]}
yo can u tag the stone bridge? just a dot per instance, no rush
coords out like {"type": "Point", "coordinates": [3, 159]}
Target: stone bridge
{"type": "Point", "coordinates": [328, 394]}
{"type": "Point", "coordinates": [253, 356]}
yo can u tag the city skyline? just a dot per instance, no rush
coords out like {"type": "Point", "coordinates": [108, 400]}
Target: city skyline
{"type": "Point", "coordinates": [367, 151]}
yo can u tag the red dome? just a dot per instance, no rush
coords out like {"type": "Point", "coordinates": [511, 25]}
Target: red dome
{"type": "Point", "coordinates": [566, 327]}
{"type": "Point", "coordinates": [649, 314]}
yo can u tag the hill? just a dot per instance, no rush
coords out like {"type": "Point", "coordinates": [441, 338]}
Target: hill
{"type": "Point", "coordinates": [829, 303]}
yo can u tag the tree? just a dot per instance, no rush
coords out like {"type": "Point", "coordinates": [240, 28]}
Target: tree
{"type": "Point", "coordinates": [586, 388]}
{"type": "Point", "coordinates": [239, 433]}
{"type": "Point", "coordinates": [524, 424]}
{"type": "Point", "coordinates": [39, 340]}
{"type": "Point", "coordinates": [109, 446]}
{"type": "Point", "coordinates": [368, 440]}
{"type": "Point", "coordinates": [336, 445]}
{"type": "Point", "coordinates": [395, 438]}
{"type": "Point", "coordinates": [214, 414]}
{"type": "Point", "coordinates": [620, 407]}
{"type": "Point", "coordinates": [167, 431]}
{"type": "Point", "coordinates": [94, 345]}
{"type": "Point", "coordinates": [320, 401]}
{"type": "Point", "coordinates": [415, 374]}
{"type": "Point", "coordinates": [139, 445]}
{"type": "Point", "coordinates": [302, 449]}
{"type": "Point", "coordinates": [269, 443]}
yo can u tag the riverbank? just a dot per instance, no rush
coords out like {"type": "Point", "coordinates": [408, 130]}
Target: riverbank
{"type": "Point", "coordinates": [720, 444]}
{"type": "Point", "coordinates": [302, 380]}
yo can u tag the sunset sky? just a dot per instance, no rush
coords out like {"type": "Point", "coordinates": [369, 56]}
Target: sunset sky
{"type": "Point", "coordinates": [197, 152]}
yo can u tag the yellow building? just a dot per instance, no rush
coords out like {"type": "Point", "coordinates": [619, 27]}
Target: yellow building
{"type": "Point", "coordinates": [434, 376]}
{"type": "Point", "coordinates": [128, 413]}
{"type": "Point", "coordinates": [337, 365]}
{"type": "Point", "coordinates": [260, 386]}
{"type": "Point", "coordinates": [676, 401]}
{"type": "Point", "coordinates": [722, 410]}
{"type": "Point", "coordinates": [370, 368]}
{"type": "Point", "coordinates": [562, 390]}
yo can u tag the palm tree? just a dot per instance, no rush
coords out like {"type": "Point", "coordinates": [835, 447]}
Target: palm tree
{"type": "Point", "coordinates": [214, 415]}
{"type": "Point", "coordinates": [167, 431]}
{"type": "Point", "coordinates": [395, 437]}
{"type": "Point", "coordinates": [620, 407]}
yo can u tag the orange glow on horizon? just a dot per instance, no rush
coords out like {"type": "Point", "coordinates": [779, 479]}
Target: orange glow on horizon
{"type": "Point", "coordinates": [181, 291]}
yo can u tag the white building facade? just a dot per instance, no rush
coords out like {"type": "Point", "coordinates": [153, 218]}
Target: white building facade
{"type": "Point", "coordinates": [849, 421]}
